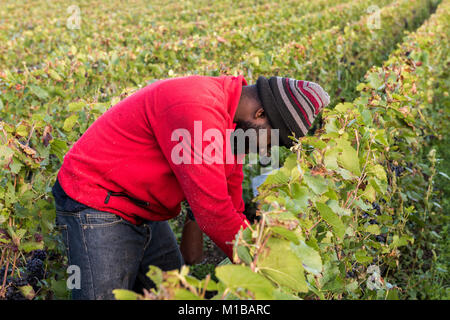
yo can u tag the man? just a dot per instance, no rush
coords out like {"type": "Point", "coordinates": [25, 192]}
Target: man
{"type": "Point", "coordinates": [129, 172]}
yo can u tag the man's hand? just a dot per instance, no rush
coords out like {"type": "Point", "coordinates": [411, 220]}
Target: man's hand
{"type": "Point", "coordinates": [191, 246]}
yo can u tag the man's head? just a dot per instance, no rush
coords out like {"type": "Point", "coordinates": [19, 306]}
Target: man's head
{"type": "Point", "coordinates": [285, 104]}
{"type": "Point", "coordinates": [250, 114]}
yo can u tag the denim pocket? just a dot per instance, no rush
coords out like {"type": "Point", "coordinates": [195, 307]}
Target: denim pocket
{"type": "Point", "coordinates": [102, 219]}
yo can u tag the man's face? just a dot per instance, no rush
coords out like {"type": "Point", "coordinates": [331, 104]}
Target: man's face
{"type": "Point", "coordinates": [255, 130]}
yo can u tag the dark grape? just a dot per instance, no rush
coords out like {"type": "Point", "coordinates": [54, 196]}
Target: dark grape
{"type": "Point", "coordinates": [2, 272]}
{"type": "Point", "coordinates": [39, 254]}
{"type": "Point", "coordinates": [381, 238]}
{"type": "Point", "coordinates": [398, 170]}
{"type": "Point", "coordinates": [38, 237]}
{"type": "Point", "coordinates": [53, 255]}
{"type": "Point", "coordinates": [20, 282]}
{"type": "Point", "coordinates": [32, 281]}
{"type": "Point", "coordinates": [18, 296]}
{"type": "Point", "coordinates": [9, 293]}
{"type": "Point", "coordinates": [35, 268]}
{"type": "Point", "coordinates": [376, 206]}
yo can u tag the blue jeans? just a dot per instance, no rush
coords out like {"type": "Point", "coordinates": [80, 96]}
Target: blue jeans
{"type": "Point", "coordinates": [112, 253]}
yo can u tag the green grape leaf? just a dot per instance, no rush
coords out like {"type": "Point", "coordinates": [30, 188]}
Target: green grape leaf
{"type": "Point", "coordinates": [238, 276]}
{"type": "Point", "coordinates": [280, 264]}
{"type": "Point", "coordinates": [331, 218]}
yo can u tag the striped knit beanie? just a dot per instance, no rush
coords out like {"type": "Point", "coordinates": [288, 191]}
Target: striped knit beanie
{"type": "Point", "coordinates": [291, 105]}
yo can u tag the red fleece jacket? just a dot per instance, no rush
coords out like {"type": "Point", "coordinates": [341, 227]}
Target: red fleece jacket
{"type": "Point", "coordinates": [128, 150]}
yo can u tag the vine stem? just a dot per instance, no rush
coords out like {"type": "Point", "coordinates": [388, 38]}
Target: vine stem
{"type": "Point", "coordinates": [14, 264]}
{"type": "Point", "coordinates": [429, 188]}
{"type": "Point", "coordinates": [5, 134]}
{"type": "Point", "coordinates": [208, 277]}
{"type": "Point", "coordinates": [31, 133]}
{"type": "Point", "coordinates": [363, 175]}
{"type": "Point", "coordinates": [338, 253]}
{"type": "Point", "coordinates": [259, 245]}
{"type": "Point", "coordinates": [187, 285]}
{"type": "Point", "coordinates": [3, 255]}
{"type": "Point", "coordinates": [260, 228]}
{"type": "Point", "coordinates": [314, 225]}
{"type": "Point", "coordinates": [6, 271]}
{"type": "Point", "coordinates": [225, 292]}
{"type": "Point", "coordinates": [255, 259]}
{"type": "Point", "coordinates": [2, 292]}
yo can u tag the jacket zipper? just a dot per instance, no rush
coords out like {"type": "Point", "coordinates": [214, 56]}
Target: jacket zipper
{"type": "Point", "coordinates": [121, 194]}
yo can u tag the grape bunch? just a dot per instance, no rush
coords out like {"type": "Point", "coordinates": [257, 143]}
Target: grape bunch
{"type": "Point", "coordinates": [19, 282]}
{"type": "Point", "coordinates": [2, 272]}
{"type": "Point", "coordinates": [351, 274]}
{"type": "Point", "coordinates": [39, 254]}
{"type": "Point", "coordinates": [12, 288]}
{"type": "Point", "coordinates": [397, 169]}
{"type": "Point", "coordinates": [13, 294]}
{"type": "Point", "coordinates": [381, 238]}
{"type": "Point", "coordinates": [35, 272]}
{"type": "Point", "coordinates": [35, 268]}
{"type": "Point", "coordinates": [377, 208]}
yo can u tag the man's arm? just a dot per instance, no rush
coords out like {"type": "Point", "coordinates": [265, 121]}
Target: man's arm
{"type": "Point", "coordinates": [235, 188]}
{"type": "Point", "coordinates": [204, 185]}
{"type": "Point", "coordinates": [191, 245]}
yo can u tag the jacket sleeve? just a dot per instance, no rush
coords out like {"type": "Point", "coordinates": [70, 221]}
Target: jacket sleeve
{"type": "Point", "coordinates": [235, 188]}
{"type": "Point", "coordinates": [204, 184]}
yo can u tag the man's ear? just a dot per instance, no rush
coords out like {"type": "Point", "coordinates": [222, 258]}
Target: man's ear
{"type": "Point", "coordinates": [260, 113]}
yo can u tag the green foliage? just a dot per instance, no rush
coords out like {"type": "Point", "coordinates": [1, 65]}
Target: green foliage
{"type": "Point", "coordinates": [366, 223]}
{"type": "Point", "coordinates": [315, 211]}
{"type": "Point", "coordinates": [200, 271]}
